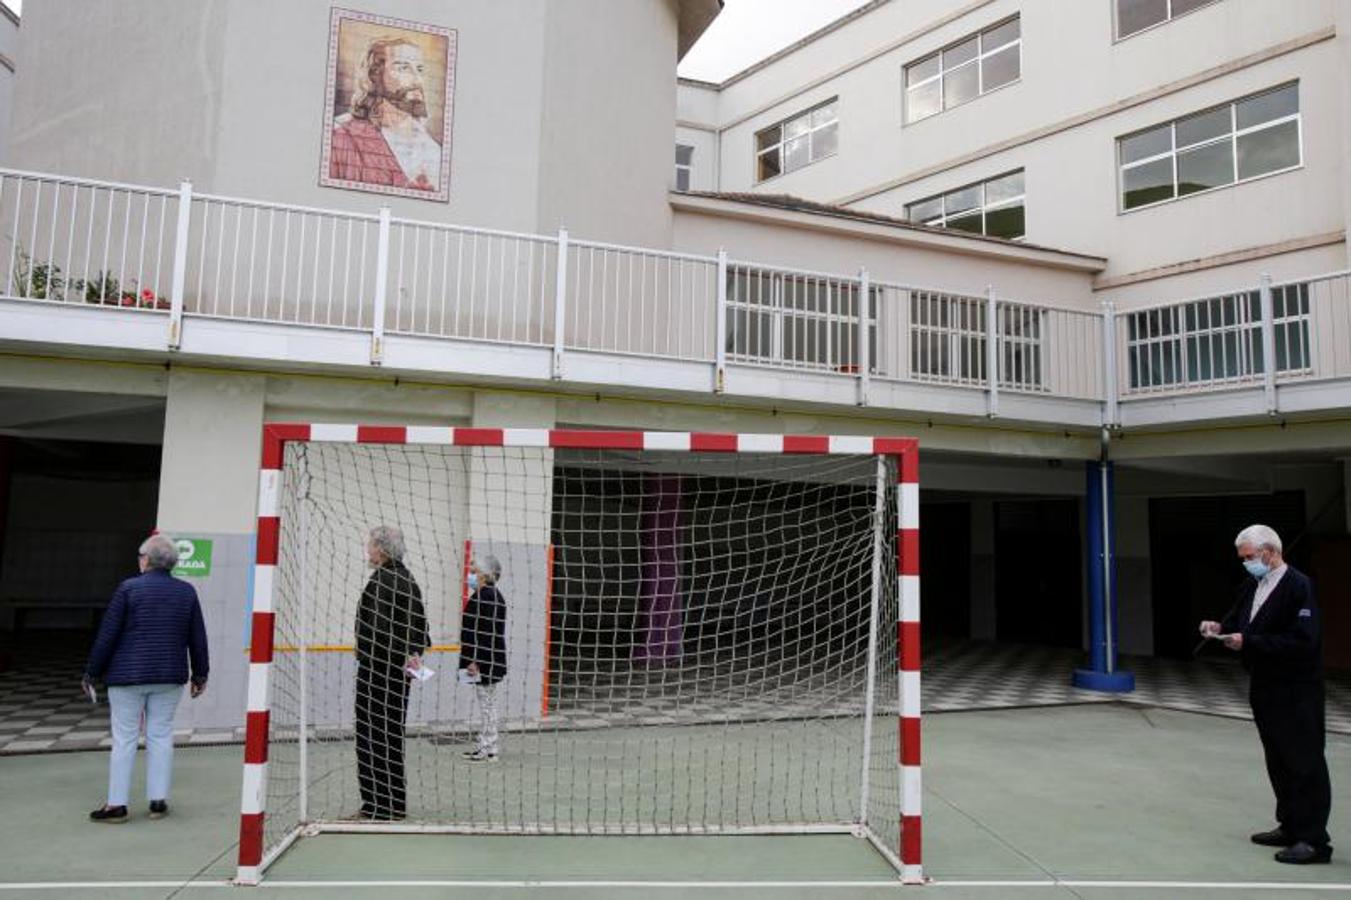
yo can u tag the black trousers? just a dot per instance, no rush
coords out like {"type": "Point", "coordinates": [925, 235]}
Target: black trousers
{"type": "Point", "coordinates": [381, 705]}
{"type": "Point", "coordinates": [1290, 722]}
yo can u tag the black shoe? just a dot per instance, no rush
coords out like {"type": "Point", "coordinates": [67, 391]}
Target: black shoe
{"type": "Point", "coordinates": [112, 815]}
{"type": "Point", "coordinates": [158, 809]}
{"type": "Point", "coordinates": [1304, 853]}
{"type": "Point", "coordinates": [1273, 838]}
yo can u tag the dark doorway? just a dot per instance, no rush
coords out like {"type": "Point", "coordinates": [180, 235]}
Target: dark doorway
{"type": "Point", "coordinates": [74, 513]}
{"type": "Point", "coordinates": [1191, 548]}
{"type": "Point", "coordinates": [1038, 578]}
{"type": "Point", "coordinates": [945, 564]}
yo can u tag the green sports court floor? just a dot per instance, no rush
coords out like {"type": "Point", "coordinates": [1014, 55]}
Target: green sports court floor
{"type": "Point", "coordinates": [1094, 801]}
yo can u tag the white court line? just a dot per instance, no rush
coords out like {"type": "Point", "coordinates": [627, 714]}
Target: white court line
{"type": "Point", "coordinates": [682, 885]}
{"type": "Point", "coordinates": [1166, 885]}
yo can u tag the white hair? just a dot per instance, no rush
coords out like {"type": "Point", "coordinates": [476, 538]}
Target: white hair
{"type": "Point", "coordinates": [490, 566]}
{"type": "Point", "coordinates": [388, 539]}
{"type": "Point", "coordinates": [159, 551]}
{"type": "Point", "coordinates": [1259, 536]}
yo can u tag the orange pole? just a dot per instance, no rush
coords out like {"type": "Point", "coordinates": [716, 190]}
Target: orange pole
{"type": "Point", "coordinates": [548, 627]}
{"type": "Point", "coordinates": [464, 575]}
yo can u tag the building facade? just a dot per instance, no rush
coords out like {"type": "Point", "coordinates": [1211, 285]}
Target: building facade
{"type": "Point", "coordinates": [1035, 236]}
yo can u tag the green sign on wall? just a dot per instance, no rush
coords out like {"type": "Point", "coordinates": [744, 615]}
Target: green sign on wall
{"type": "Point", "coordinates": [194, 557]}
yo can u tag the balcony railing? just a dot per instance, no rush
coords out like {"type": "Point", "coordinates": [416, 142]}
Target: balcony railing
{"type": "Point", "coordinates": [180, 255]}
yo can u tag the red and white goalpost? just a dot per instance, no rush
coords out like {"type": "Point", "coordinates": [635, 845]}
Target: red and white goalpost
{"type": "Point", "coordinates": [697, 631]}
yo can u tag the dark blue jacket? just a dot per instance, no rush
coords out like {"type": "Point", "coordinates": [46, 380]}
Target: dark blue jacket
{"type": "Point", "coordinates": [1282, 644]}
{"type": "Point", "coordinates": [153, 624]}
{"type": "Point", "coordinates": [483, 634]}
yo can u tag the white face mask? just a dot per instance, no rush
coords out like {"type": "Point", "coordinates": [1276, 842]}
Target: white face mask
{"type": "Point", "coordinates": [473, 581]}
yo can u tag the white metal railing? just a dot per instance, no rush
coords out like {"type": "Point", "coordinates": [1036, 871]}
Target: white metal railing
{"type": "Point", "coordinates": [179, 254]}
{"type": "Point", "coordinates": [448, 281]}
{"type": "Point", "coordinates": [72, 240]}
{"type": "Point", "coordinates": [649, 302]}
{"type": "Point", "coordinates": [1303, 327]}
{"type": "Point", "coordinates": [274, 263]}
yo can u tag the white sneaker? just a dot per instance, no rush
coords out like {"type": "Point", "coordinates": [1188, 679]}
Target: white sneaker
{"type": "Point", "coordinates": [480, 756]}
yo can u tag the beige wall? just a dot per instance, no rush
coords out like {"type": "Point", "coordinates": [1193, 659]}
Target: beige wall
{"type": "Point", "coordinates": [823, 251]}
{"type": "Point", "coordinates": [1071, 67]}
{"type": "Point", "coordinates": [544, 133]}
{"type": "Point", "coordinates": [606, 154]}
{"type": "Point", "coordinates": [156, 99]}
{"type": "Point", "coordinates": [703, 170]}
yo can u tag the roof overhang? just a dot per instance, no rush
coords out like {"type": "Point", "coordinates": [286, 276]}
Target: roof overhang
{"type": "Point", "coordinates": [694, 17]}
{"type": "Point", "coordinates": [870, 228]}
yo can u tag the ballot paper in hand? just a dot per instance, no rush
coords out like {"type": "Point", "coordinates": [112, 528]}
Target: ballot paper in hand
{"type": "Point", "coordinates": [466, 678]}
{"type": "Point", "coordinates": [91, 692]}
{"type": "Point", "coordinates": [421, 673]}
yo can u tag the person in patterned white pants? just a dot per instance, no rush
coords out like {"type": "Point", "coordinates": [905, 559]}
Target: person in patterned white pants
{"type": "Point", "coordinates": [483, 651]}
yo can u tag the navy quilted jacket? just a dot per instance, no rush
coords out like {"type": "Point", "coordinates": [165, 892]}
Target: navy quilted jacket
{"type": "Point", "coordinates": [151, 628]}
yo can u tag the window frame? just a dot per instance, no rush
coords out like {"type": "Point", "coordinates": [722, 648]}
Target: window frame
{"type": "Point", "coordinates": [982, 53]}
{"type": "Point", "coordinates": [1232, 136]}
{"type": "Point", "coordinates": [985, 207]}
{"type": "Point", "coordinates": [687, 168]}
{"type": "Point", "coordinates": [1118, 37]}
{"type": "Point", "coordinates": [757, 151]}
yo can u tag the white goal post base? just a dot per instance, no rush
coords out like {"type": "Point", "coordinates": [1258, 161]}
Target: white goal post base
{"type": "Point", "coordinates": [698, 630]}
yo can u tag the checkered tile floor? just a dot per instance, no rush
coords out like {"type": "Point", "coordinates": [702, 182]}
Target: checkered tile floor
{"type": "Point", "coordinates": [42, 709]}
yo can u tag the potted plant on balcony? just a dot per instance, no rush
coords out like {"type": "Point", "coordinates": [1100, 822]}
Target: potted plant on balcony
{"type": "Point", "coordinates": [39, 281]}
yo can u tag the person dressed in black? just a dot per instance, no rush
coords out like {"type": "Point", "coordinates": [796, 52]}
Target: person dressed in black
{"type": "Point", "coordinates": [483, 651]}
{"type": "Point", "coordinates": [391, 633]}
{"type": "Point", "coordinates": [1274, 627]}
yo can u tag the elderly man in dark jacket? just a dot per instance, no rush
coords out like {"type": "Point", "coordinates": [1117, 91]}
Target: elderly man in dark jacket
{"type": "Point", "coordinates": [152, 630]}
{"type": "Point", "coordinates": [1274, 627]}
{"type": "Point", "coordinates": [391, 631]}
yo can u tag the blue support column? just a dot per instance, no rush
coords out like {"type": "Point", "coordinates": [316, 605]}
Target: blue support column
{"type": "Point", "coordinates": [1102, 674]}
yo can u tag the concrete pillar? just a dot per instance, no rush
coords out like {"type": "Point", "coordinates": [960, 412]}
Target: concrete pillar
{"type": "Point", "coordinates": [208, 496]}
{"type": "Point", "coordinates": [212, 437]}
{"type": "Point", "coordinates": [983, 610]}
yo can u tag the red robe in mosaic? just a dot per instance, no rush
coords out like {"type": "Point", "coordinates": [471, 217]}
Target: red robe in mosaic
{"type": "Point", "coordinates": [359, 153]}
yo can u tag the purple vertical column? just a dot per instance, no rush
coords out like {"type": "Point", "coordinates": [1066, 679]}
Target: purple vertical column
{"type": "Point", "coordinates": [661, 610]}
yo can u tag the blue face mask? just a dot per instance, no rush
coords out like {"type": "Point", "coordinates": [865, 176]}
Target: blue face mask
{"type": "Point", "coordinates": [473, 581]}
{"type": "Point", "coordinates": [1256, 568]}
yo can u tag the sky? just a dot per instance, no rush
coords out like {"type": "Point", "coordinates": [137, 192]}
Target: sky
{"type": "Point", "coordinates": [747, 31]}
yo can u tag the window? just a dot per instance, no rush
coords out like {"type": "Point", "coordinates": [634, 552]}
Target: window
{"type": "Point", "coordinates": [1136, 15]}
{"type": "Point", "coordinates": [1249, 138]}
{"type": "Point", "coordinates": [948, 334]}
{"type": "Point", "coordinates": [684, 157]}
{"type": "Point", "coordinates": [1217, 339]}
{"type": "Point", "coordinates": [798, 141]}
{"type": "Point", "coordinates": [796, 320]}
{"type": "Point", "coordinates": [993, 207]}
{"type": "Point", "coordinates": [962, 71]}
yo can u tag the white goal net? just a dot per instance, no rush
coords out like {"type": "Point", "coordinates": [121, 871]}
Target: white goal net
{"type": "Point", "coordinates": [661, 642]}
